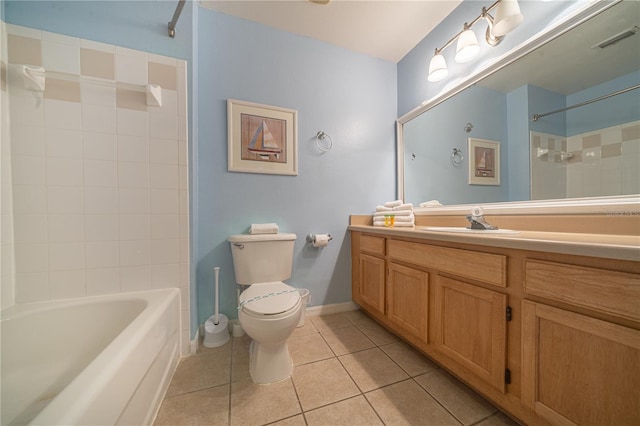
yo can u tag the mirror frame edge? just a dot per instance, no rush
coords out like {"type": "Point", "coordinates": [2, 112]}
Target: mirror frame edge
{"type": "Point", "coordinates": [556, 206]}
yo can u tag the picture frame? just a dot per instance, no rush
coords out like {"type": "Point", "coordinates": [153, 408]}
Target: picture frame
{"type": "Point", "coordinates": [484, 162]}
{"type": "Point", "coordinates": [261, 138]}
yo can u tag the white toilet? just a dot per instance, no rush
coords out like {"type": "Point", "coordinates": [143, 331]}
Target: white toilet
{"type": "Point", "coordinates": [269, 309]}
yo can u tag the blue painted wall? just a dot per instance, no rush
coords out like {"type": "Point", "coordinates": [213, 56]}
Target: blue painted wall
{"type": "Point", "coordinates": [431, 137]}
{"type": "Point", "coordinates": [349, 96]}
{"type": "Point", "coordinates": [517, 157]}
{"type": "Point", "coordinates": [608, 112]}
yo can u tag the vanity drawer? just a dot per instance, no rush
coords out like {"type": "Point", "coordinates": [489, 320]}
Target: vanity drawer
{"type": "Point", "coordinates": [372, 244]}
{"type": "Point", "coordinates": [611, 292]}
{"type": "Point", "coordinates": [485, 267]}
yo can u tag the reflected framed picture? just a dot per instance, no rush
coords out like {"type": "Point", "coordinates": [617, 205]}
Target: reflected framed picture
{"type": "Point", "coordinates": [261, 138]}
{"type": "Point", "coordinates": [484, 162]}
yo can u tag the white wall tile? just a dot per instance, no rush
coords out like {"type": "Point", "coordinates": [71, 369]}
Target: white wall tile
{"type": "Point", "coordinates": [132, 123]}
{"type": "Point", "coordinates": [64, 143]}
{"type": "Point", "coordinates": [133, 175]}
{"type": "Point", "coordinates": [29, 199]}
{"type": "Point", "coordinates": [30, 228]}
{"type": "Point", "coordinates": [164, 176]}
{"type": "Point", "coordinates": [27, 140]}
{"type": "Point", "coordinates": [164, 201]}
{"type": "Point", "coordinates": [100, 173]}
{"type": "Point", "coordinates": [135, 278]}
{"type": "Point", "coordinates": [184, 250]}
{"type": "Point", "coordinates": [134, 227]}
{"type": "Point", "coordinates": [62, 114]}
{"type": "Point", "coordinates": [184, 177]}
{"type": "Point", "coordinates": [67, 284]}
{"type": "Point", "coordinates": [103, 281]}
{"type": "Point", "coordinates": [98, 118]}
{"type": "Point", "coordinates": [65, 199]}
{"type": "Point", "coordinates": [133, 201]}
{"type": "Point", "coordinates": [159, 59]}
{"type": "Point", "coordinates": [28, 170]}
{"type": "Point", "coordinates": [66, 228]}
{"type": "Point", "coordinates": [133, 148]}
{"type": "Point", "coordinates": [100, 146]}
{"type": "Point", "coordinates": [164, 227]}
{"type": "Point", "coordinates": [23, 31]}
{"type": "Point", "coordinates": [102, 254]}
{"type": "Point", "coordinates": [135, 253]}
{"type": "Point", "coordinates": [165, 276]}
{"type": "Point", "coordinates": [163, 151]}
{"type": "Point", "coordinates": [165, 252]}
{"type": "Point", "coordinates": [163, 125]}
{"type": "Point", "coordinates": [101, 227]}
{"type": "Point", "coordinates": [60, 53]}
{"type": "Point", "coordinates": [185, 271]}
{"type": "Point", "coordinates": [63, 256]}
{"type": "Point", "coordinates": [100, 200]}
{"type": "Point", "coordinates": [64, 171]}
{"type": "Point", "coordinates": [32, 287]}
{"type": "Point", "coordinates": [31, 257]}
{"type": "Point", "coordinates": [26, 111]}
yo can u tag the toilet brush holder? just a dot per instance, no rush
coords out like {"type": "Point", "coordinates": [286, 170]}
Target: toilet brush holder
{"type": "Point", "coordinates": [216, 334]}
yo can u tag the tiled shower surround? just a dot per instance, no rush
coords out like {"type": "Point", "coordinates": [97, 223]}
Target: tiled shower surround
{"type": "Point", "coordinates": [99, 179]}
{"type": "Point", "coordinates": [602, 162]}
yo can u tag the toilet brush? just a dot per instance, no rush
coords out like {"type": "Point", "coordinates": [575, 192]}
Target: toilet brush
{"type": "Point", "coordinates": [216, 328]}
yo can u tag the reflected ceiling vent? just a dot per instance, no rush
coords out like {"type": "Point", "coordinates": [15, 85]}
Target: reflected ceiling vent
{"type": "Point", "coordinates": [320, 1]}
{"type": "Point", "coordinates": [616, 38]}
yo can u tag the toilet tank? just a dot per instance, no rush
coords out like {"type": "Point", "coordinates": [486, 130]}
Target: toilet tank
{"type": "Point", "coordinates": [262, 258]}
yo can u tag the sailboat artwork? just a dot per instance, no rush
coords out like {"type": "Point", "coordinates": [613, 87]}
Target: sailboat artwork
{"type": "Point", "coordinates": [484, 162]}
{"type": "Point", "coordinates": [266, 143]}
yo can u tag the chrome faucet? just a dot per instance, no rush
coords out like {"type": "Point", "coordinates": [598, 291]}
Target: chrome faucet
{"type": "Point", "coordinates": [477, 221]}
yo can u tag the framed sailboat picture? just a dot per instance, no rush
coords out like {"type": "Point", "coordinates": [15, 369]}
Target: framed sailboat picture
{"type": "Point", "coordinates": [484, 162]}
{"type": "Point", "coordinates": [262, 138]}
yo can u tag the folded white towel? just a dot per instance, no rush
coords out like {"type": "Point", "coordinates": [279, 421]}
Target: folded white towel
{"type": "Point", "coordinates": [393, 203]}
{"type": "Point", "coordinates": [394, 212]}
{"type": "Point", "coordinates": [432, 203]}
{"type": "Point", "coordinates": [407, 206]}
{"type": "Point", "coordinates": [401, 224]}
{"type": "Point", "coordinates": [264, 228]}
{"type": "Point", "coordinates": [410, 218]}
{"type": "Point", "coordinates": [383, 209]}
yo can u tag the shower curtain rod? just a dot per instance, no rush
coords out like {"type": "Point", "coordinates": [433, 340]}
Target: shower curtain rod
{"type": "Point", "coordinates": [619, 92]}
{"type": "Point", "coordinates": [174, 20]}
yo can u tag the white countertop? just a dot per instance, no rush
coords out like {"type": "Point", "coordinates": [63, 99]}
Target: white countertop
{"type": "Point", "coordinates": [622, 247]}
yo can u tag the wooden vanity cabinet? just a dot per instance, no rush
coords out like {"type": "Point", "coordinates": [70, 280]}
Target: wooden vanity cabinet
{"type": "Point", "coordinates": [550, 338]}
{"type": "Point", "coordinates": [578, 369]}
{"type": "Point", "coordinates": [471, 328]}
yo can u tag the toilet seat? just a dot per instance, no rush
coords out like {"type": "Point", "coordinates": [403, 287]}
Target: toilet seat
{"type": "Point", "coordinates": [269, 300]}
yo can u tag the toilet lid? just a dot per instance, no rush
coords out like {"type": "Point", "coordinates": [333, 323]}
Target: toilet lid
{"type": "Point", "coordinates": [269, 298]}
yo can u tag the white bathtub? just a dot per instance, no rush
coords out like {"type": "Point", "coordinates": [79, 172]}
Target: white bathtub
{"type": "Point", "coordinates": [96, 360]}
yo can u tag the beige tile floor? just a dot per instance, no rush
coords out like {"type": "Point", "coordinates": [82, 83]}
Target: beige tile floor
{"type": "Point", "coordinates": [348, 370]}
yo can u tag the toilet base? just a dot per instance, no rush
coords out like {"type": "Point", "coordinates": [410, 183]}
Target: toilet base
{"type": "Point", "coordinates": [269, 363]}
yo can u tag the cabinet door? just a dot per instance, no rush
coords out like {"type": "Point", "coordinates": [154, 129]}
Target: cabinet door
{"type": "Point", "coordinates": [372, 282]}
{"type": "Point", "coordinates": [579, 370]}
{"type": "Point", "coordinates": [408, 300]}
{"type": "Point", "coordinates": [471, 328]}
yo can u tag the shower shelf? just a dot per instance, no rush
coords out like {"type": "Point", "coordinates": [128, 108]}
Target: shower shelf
{"type": "Point", "coordinates": [34, 79]}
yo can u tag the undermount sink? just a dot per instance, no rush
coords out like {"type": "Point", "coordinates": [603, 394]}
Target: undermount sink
{"type": "Point", "coordinates": [469, 231]}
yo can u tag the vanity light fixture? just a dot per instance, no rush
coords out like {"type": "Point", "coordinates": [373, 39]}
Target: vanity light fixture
{"type": "Point", "coordinates": [508, 17]}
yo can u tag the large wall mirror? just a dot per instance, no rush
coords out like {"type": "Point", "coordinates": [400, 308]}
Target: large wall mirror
{"type": "Point", "coordinates": [592, 150]}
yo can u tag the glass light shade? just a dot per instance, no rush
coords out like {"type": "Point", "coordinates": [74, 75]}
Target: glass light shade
{"type": "Point", "coordinates": [437, 68]}
{"type": "Point", "coordinates": [507, 18]}
{"type": "Point", "coordinates": [467, 47]}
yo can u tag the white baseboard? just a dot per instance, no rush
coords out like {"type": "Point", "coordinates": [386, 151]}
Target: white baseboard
{"type": "Point", "coordinates": [334, 308]}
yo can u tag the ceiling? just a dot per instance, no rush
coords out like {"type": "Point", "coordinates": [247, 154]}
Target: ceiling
{"type": "Point", "coordinates": [386, 29]}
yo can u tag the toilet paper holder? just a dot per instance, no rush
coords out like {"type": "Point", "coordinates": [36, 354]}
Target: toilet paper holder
{"type": "Point", "coordinates": [311, 238]}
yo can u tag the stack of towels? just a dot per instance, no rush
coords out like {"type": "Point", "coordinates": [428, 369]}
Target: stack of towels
{"type": "Point", "coordinates": [264, 228]}
{"type": "Point", "coordinates": [403, 213]}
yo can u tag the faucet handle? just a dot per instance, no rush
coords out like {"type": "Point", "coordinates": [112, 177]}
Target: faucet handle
{"type": "Point", "coordinates": [476, 211]}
